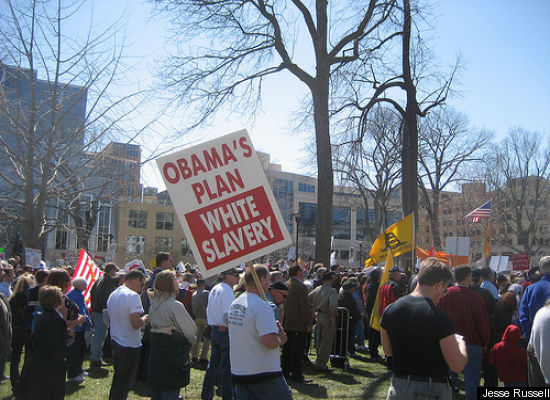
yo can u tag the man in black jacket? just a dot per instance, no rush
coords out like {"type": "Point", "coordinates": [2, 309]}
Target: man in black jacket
{"type": "Point", "coordinates": [99, 293]}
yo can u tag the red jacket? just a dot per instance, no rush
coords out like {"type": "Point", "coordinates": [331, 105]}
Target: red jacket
{"type": "Point", "coordinates": [469, 314]}
{"type": "Point", "coordinates": [390, 291]}
{"type": "Point", "coordinates": [509, 358]}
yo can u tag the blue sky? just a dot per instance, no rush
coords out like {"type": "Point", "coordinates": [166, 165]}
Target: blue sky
{"type": "Point", "coordinates": [504, 45]}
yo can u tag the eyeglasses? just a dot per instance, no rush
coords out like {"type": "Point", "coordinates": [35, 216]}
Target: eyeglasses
{"type": "Point", "coordinates": [285, 295]}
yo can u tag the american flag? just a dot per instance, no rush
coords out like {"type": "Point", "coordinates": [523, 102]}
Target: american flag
{"type": "Point", "coordinates": [87, 269]}
{"type": "Point", "coordinates": [481, 212]}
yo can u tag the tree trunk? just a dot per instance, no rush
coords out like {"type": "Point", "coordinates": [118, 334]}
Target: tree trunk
{"type": "Point", "coordinates": [324, 173]}
{"type": "Point", "coordinates": [434, 220]}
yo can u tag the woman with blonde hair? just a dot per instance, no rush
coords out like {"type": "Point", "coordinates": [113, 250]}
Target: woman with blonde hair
{"type": "Point", "coordinates": [20, 330]}
{"type": "Point", "coordinates": [173, 332]}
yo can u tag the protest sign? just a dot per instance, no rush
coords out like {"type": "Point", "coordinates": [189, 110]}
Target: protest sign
{"type": "Point", "coordinates": [520, 261]}
{"type": "Point", "coordinates": [224, 202]}
{"type": "Point", "coordinates": [33, 257]}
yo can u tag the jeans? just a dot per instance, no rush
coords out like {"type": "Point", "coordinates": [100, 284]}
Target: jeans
{"type": "Point", "coordinates": [100, 332]}
{"type": "Point", "coordinates": [75, 355]}
{"type": "Point", "coordinates": [360, 333]}
{"type": "Point", "coordinates": [219, 365]}
{"type": "Point", "coordinates": [157, 394]}
{"type": "Point", "coordinates": [404, 389]}
{"type": "Point", "coordinates": [125, 361]}
{"type": "Point", "coordinates": [472, 371]}
{"type": "Point", "coordinates": [275, 388]}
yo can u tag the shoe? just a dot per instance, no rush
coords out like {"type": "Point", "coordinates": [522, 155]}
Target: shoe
{"type": "Point", "coordinates": [76, 379]}
{"type": "Point", "coordinates": [324, 369]}
{"type": "Point", "coordinates": [203, 361]}
{"type": "Point", "coordinates": [98, 364]}
{"type": "Point", "coordinates": [4, 378]}
{"type": "Point", "coordinates": [84, 373]}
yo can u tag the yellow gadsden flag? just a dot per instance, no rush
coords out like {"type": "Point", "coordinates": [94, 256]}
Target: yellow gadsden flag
{"type": "Point", "coordinates": [399, 237]}
{"type": "Point", "coordinates": [375, 315]}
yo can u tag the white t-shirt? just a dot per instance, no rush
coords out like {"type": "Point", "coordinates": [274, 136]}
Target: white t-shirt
{"type": "Point", "coordinates": [121, 303]}
{"type": "Point", "coordinates": [219, 300]}
{"type": "Point", "coordinates": [250, 317]}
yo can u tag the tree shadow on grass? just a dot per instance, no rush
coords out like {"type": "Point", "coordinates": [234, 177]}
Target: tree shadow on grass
{"type": "Point", "coordinates": [373, 386]}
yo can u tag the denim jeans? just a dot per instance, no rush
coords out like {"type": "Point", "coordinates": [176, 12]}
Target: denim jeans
{"type": "Point", "coordinates": [472, 371]}
{"type": "Point", "coordinates": [100, 332]}
{"type": "Point", "coordinates": [75, 355]}
{"type": "Point", "coordinates": [219, 365]}
{"type": "Point", "coordinates": [125, 360]}
{"type": "Point", "coordinates": [360, 333]}
{"type": "Point", "coordinates": [275, 388]}
{"type": "Point", "coordinates": [404, 389]}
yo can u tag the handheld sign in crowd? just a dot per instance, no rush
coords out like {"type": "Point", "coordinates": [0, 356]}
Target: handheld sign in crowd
{"type": "Point", "coordinates": [224, 202]}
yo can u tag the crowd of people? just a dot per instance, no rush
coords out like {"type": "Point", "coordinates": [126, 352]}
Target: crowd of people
{"type": "Point", "coordinates": [253, 331]}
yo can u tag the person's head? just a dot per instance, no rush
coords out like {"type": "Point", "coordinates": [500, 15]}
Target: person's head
{"type": "Point", "coordinates": [263, 277]}
{"type": "Point", "coordinates": [349, 286]}
{"type": "Point", "coordinates": [24, 282]}
{"type": "Point", "coordinates": [8, 273]}
{"type": "Point", "coordinates": [508, 301]}
{"type": "Point", "coordinates": [321, 271]}
{"type": "Point", "coordinates": [166, 282]}
{"type": "Point", "coordinates": [231, 276]}
{"type": "Point", "coordinates": [435, 275]}
{"type": "Point", "coordinates": [279, 291]}
{"type": "Point", "coordinates": [188, 277]}
{"type": "Point", "coordinates": [477, 276]}
{"type": "Point", "coordinates": [111, 269]}
{"type": "Point", "coordinates": [328, 277]}
{"type": "Point", "coordinates": [60, 278]}
{"type": "Point", "coordinates": [395, 274]}
{"type": "Point", "coordinates": [296, 271]}
{"type": "Point", "coordinates": [134, 280]}
{"type": "Point", "coordinates": [50, 297]}
{"type": "Point", "coordinates": [544, 265]}
{"type": "Point", "coordinates": [201, 283]}
{"type": "Point", "coordinates": [375, 274]}
{"type": "Point", "coordinates": [276, 276]}
{"type": "Point", "coordinates": [164, 260]}
{"type": "Point", "coordinates": [463, 275]}
{"type": "Point", "coordinates": [80, 284]}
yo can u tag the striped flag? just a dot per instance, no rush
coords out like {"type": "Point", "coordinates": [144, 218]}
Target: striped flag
{"type": "Point", "coordinates": [87, 269]}
{"type": "Point", "coordinates": [481, 212]}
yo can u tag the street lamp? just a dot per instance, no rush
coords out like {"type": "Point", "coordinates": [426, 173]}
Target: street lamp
{"type": "Point", "coordinates": [361, 265]}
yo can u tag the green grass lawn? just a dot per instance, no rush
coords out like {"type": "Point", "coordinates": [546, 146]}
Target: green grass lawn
{"type": "Point", "coordinates": [363, 380]}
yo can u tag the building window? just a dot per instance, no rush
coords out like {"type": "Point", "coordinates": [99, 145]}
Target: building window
{"type": "Point", "coordinates": [137, 219]}
{"type": "Point", "coordinates": [308, 219]}
{"type": "Point", "coordinates": [163, 244]}
{"type": "Point", "coordinates": [135, 245]}
{"type": "Point", "coordinates": [165, 221]}
{"type": "Point", "coordinates": [283, 193]}
{"type": "Point", "coordinates": [61, 238]}
{"type": "Point", "coordinates": [305, 187]}
{"type": "Point", "coordinates": [103, 229]}
{"type": "Point", "coordinates": [185, 249]}
{"type": "Point", "coordinates": [341, 222]}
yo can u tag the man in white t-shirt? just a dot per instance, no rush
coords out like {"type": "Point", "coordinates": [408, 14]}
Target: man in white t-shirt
{"type": "Point", "coordinates": [126, 320]}
{"type": "Point", "coordinates": [219, 300]}
{"type": "Point", "coordinates": [255, 337]}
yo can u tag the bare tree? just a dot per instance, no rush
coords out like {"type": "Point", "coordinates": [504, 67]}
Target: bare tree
{"type": "Point", "coordinates": [49, 124]}
{"type": "Point", "coordinates": [373, 166]}
{"type": "Point", "coordinates": [518, 172]}
{"type": "Point", "coordinates": [446, 144]}
{"type": "Point", "coordinates": [232, 46]}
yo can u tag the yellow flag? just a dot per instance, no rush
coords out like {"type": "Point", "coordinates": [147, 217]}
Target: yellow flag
{"type": "Point", "coordinates": [399, 237]}
{"type": "Point", "coordinates": [375, 316]}
{"type": "Point", "coordinates": [487, 244]}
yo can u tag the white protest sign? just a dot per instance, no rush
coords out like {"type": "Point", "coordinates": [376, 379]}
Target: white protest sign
{"type": "Point", "coordinates": [33, 257]}
{"type": "Point", "coordinates": [457, 246]}
{"type": "Point", "coordinates": [224, 202]}
{"type": "Point", "coordinates": [499, 263]}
